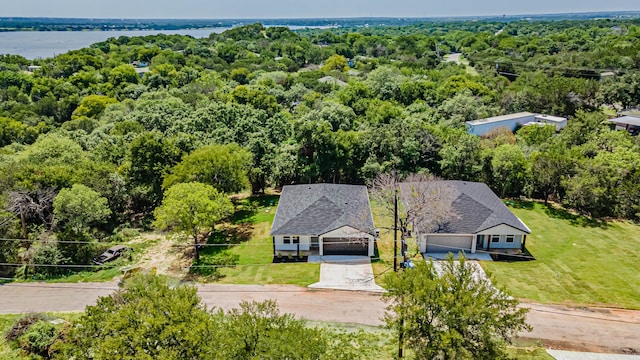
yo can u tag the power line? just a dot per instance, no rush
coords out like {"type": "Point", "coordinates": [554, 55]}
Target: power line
{"type": "Point", "coordinates": [175, 245]}
{"type": "Point", "coordinates": [343, 261]}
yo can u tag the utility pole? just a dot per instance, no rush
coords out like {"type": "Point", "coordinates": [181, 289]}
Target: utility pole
{"type": "Point", "coordinates": [395, 231]}
{"type": "Point", "coordinates": [395, 262]}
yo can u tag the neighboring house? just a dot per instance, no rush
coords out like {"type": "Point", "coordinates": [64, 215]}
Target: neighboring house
{"type": "Point", "coordinates": [475, 219]}
{"type": "Point", "coordinates": [628, 123]}
{"type": "Point", "coordinates": [512, 122]}
{"type": "Point", "coordinates": [323, 219]}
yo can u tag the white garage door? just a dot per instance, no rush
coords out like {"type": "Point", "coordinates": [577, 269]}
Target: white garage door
{"type": "Point", "coordinates": [448, 243]}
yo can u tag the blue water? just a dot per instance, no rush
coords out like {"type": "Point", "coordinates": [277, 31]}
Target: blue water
{"type": "Point", "coordinates": [44, 44]}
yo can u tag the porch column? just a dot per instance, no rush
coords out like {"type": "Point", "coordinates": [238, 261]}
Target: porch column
{"type": "Point", "coordinates": [474, 244]}
{"type": "Point", "coordinates": [320, 246]}
{"type": "Point", "coordinates": [524, 242]}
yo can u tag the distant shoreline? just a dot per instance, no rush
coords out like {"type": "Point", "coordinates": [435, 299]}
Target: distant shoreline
{"type": "Point", "coordinates": [14, 24]}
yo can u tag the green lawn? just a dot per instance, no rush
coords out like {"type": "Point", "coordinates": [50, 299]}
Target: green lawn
{"type": "Point", "coordinates": [252, 250]}
{"type": "Point", "coordinates": [578, 261]}
{"type": "Point", "coordinates": [6, 352]}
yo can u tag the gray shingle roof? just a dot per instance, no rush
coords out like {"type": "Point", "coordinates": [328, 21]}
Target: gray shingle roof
{"type": "Point", "coordinates": [319, 208]}
{"type": "Point", "coordinates": [476, 208]}
{"type": "Point", "coordinates": [627, 120]}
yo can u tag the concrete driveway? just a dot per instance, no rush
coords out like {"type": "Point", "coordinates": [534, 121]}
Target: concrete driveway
{"type": "Point", "coordinates": [345, 273]}
{"type": "Point", "coordinates": [478, 273]}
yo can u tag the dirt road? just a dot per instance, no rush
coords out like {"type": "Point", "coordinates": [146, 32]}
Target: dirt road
{"type": "Point", "coordinates": [558, 326]}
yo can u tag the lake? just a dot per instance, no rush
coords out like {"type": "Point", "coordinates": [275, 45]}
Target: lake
{"type": "Point", "coordinates": [44, 44]}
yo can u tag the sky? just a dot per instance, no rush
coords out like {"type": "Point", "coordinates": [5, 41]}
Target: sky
{"type": "Point", "coordinates": [263, 9]}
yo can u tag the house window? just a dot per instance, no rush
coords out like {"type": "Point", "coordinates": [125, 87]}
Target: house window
{"type": "Point", "coordinates": [286, 239]}
{"type": "Point", "coordinates": [296, 239]}
{"type": "Point", "coordinates": [510, 238]}
{"type": "Point", "coordinates": [495, 238]}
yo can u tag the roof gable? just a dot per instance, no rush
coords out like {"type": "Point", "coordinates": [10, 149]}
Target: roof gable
{"type": "Point", "coordinates": [318, 208]}
{"type": "Point", "coordinates": [475, 208]}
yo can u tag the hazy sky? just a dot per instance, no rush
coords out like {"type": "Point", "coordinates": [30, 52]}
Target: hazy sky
{"type": "Point", "coordinates": [211, 9]}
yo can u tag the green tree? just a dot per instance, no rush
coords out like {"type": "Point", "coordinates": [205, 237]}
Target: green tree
{"type": "Point", "coordinates": [223, 166]}
{"type": "Point", "coordinates": [80, 207]}
{"type": "Point", "coordinates": [92, 106]}
{"type": "Point", "coordinates": [548, 170]}
{"type": "Point", "coordinates": [258, 331]}
{"type": "Point", "coordinates": [194, 208]}
{"type": "Point", "coordinates": [148, 319]}
{"type": "Point", "coordinates": [509, 168]}
{"type": "Point", "coordinates": [122, 75]}
{"type": "Point", "coordinates": [335, 62]}
{"type": "Point", "coordinates": [445, 311]}
{"type": "Point", "coordinates": [151, 156]}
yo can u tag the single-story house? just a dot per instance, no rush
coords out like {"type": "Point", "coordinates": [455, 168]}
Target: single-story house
{"type": "Point", "coordinates": [323, 219]}
{"type": "Point", "coordinates": [628, 123]}
{"type": "Point", "coordinates": [482, 127]}
{"type": "Point", "coordinates": [472, 218]}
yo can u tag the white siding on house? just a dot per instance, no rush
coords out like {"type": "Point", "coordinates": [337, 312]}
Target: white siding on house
{"type": "Point", "coordinates": [503, 241]}
{"type": "Point", "coordinates": [305, 243]}
{"type": "Point", "coordinates": [502, 232]}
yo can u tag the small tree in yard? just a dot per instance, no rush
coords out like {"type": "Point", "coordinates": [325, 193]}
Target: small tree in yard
{"type": "Point", "coordinates": [194, 208]}
{"type": "Point", "coordinates": [449, 313]}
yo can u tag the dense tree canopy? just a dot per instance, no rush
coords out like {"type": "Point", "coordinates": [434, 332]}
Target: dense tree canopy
{"type": "Point", "coordinates": [252, 108]}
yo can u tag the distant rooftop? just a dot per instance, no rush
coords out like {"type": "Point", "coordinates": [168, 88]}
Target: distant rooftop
{"type": "Point", "coordinates": [501, 118]}
{"type": "Point", "coordinates": [627, 120]}
{"type": "Point", "coordinates": [550, 118]}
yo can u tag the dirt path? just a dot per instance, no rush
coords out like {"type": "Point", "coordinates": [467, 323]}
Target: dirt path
{"type": "Point", "coordinates": [560, 327]}
{"type": "Point", "coordinates": [165, 257]}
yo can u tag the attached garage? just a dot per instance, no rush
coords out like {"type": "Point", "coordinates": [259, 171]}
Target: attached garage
{"type": "Point", "coordinates": [448, 243]}
{"type": "Point", "coordinates": [345, 246]}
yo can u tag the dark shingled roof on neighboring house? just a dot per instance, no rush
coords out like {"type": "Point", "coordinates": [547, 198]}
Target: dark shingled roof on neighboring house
{"type": "Point", "coordinates": [319, 208]}
{"type": "Point", "coordinates": [476, 208]}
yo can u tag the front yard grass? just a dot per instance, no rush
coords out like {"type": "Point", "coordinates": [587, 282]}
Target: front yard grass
{"type": "Point", "coordinates": [382, 263]}
{"type": "Point", "coordinates": [248, 233]}
{"type": "Point", "coordinates": [578, 261]}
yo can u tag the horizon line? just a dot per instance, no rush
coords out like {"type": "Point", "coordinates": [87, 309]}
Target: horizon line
{"type": "Point", "coordinates": [336, 17]}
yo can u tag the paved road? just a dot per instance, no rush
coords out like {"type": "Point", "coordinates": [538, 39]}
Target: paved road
{"type": "Point", "coordinates": [560, 327]}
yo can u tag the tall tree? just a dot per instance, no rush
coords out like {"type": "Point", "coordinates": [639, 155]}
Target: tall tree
{"type": "Point", "coordinates": [225, 167]}
{"type": "Point", "coordinates": [194, 208]}
{"type": "Point", "coordinates": [80, 207]}
{"type": "Point", "coordinates": [444, 311]}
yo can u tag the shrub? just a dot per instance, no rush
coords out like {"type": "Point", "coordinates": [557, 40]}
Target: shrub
{"type": "Point", "coordinates": [22, 325]}
{"type": "Point", "coordinates": [38, 338]}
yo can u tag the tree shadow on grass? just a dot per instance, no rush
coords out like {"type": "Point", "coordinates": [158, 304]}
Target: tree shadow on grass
{"type": "Point", "coordinates": [520, 204]}
{"type": "Point", "coordinates": [574, 219]}
{"type": "Point", "coordinates": [216, 253]}
{"type": "Point", "coordinates": [249, 210]}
